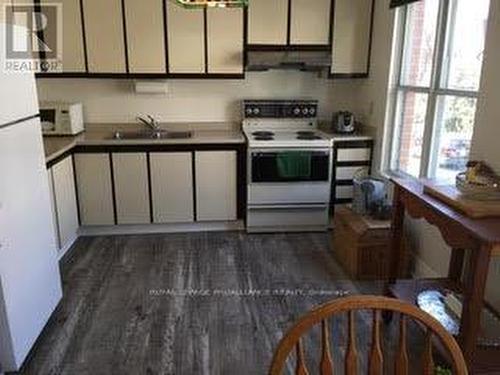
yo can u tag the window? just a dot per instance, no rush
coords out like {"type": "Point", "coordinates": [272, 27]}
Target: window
{"type": "Point", "coordinates": [440, 55]}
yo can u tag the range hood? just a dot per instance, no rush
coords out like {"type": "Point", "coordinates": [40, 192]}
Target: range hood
{"type": "Point", "coordinates": [290, 60]}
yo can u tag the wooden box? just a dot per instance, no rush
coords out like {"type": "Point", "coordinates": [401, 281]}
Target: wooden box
{"type": "Point", "coordinates": [361, 245]}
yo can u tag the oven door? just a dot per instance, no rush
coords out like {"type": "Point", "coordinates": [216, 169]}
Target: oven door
{"type": "Point", "coordinates": [288, 165]}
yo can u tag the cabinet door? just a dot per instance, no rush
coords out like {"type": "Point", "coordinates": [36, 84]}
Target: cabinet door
{"type": "Point", "coordinates": [73, 59]}
{"type": "Point", "coordinates": [104, 36]}
{"type": "Point", "coordinates": [310, 22]}
{"type": "Point", "coordinates": [65, 201]}
{"type": "Point", "coordinates": [215, 185]}
{"type": "Point", "coordinates": [172, 187]}
{"type": "Point", "coordinates": [53, 206]}
{"type": "Point", "coordinates": [186, 39]}
{"type": "Point", "coordinates": [268, 22]}
{"type": "Point", "coordinates": [130, 174]}
{"type": "Point", "coordinates": [145, 36]}
{"type": "Point", "coordinates": [351, 36]}
{"type": "Point", "coordinates": [225, 40]}
{"type": "Point", "coordinates": [95, 192]}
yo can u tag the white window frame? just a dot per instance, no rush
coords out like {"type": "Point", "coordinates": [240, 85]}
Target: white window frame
{"type": "Point", "coordinates": [434, 91]}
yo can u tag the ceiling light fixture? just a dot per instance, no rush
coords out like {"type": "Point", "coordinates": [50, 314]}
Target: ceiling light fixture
{"type": "Point", "coordinates": [193, 4]}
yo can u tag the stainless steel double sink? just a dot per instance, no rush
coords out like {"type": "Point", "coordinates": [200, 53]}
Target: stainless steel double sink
{"type": "Point", "coordinates": [152, 134]}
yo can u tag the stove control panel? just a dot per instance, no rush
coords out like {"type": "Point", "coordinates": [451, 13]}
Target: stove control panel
{"type": "Point", "coordinates": [280, 109]}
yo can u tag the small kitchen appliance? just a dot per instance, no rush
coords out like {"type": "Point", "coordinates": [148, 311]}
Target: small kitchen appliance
{"type": "Point", "coordinates": [61, 118]}
{"type": "Point", "coordinates": [344, 122]}
{"type": "Point", "coordinates": [289, 166]}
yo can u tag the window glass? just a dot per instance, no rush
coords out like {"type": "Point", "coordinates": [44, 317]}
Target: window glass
{"type": "Point", "coordinates": [412, 108]}
{"type": "Point", "coordinates": [420, 40]}
{"type": "Point", "coordinates": [454, 126]}
{"type": "Point", "coordinates": [463, 56]}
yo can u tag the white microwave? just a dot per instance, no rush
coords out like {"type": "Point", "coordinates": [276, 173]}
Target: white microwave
{"type": "Point", "coordinates": [61, 118]}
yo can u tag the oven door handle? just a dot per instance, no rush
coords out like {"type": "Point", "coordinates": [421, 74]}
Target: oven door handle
{"type": "Point", "coordinates": [288, 206]}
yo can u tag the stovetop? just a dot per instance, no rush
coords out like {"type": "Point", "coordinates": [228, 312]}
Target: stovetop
{"type": "Point", "coordinates": [287, 138]}
{"type": "Point", "coordinates": [283, 123]}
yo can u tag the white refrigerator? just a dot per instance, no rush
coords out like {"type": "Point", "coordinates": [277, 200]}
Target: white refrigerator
{"type": "Point", "coordinates": [30, 284]}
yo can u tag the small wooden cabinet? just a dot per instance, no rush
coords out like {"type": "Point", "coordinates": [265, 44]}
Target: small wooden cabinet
{"type": "Point", "coordinates": [349, 156]}
{"type": "Point", "coordinates": [361, 245]}
{"type": "Point", "coordinates": [216, 185]}
{"type": "Point", "coordinates": [351, 39]}
{"type": "Point", "coordinates": [94, 186]}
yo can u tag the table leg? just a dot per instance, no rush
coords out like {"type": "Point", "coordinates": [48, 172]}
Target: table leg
{"type": "Point", "coordinates": [396, 253]}
{"type": "Point", "coordinates": [475, 284]}
{"type": "Point", "coordinates": [456, 266]}
{"type": "Point", "coordinates": [397, 229]}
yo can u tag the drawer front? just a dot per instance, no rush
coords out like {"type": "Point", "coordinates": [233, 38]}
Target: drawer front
{"type": "Point", "coordinates": [344, 192]}
{"type": "Point", "coordinates": [347, 173]}
{"type": "Point", "coordinates": [354, 154]}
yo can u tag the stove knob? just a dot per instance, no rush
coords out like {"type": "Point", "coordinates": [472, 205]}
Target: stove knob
{"type": "Point", "coordinates": [296, 111]}
{"type": "Point", "coordinates": [312, 111]}
{"type": "Point", "coordinates": [305, 111]}
{"type": "Point", "coordinates": [249, 111]}
{"type": "Point", "coordinates": [256, 111]}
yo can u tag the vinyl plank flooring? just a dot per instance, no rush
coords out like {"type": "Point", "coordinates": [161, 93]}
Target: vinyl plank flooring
{"type": "Point", "coordinates": [189, 303]}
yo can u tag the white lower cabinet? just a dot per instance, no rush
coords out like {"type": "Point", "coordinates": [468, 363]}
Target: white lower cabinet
{"type": "Point", "coordinates": [95, 192]}
{"type": "Point", "coordinates": [216, 185]}
{"type": "Point", "coordinates": [172, 187]}
{"type": "Point", "coordinates": [130, 174]}
{"type": "Point", "coordinates": [66, 210]}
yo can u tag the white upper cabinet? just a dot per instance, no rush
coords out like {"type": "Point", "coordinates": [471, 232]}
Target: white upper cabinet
{"type": "Point", "coordinates": [186, 40]}
{"type": "Point", "coordinates": [104, 36]}
{"type": "Point", "coordinates": [130, 174]}
{"type": "Point", "coordinates": [73, 53]}
{"type": "Point", "coordinates": [225, 40]}
{"type": "Point", "coordinates": [268, 22]}
{"type": "Point", "coordinates": [351, 36]}
{"type": "Point", "coordinates": [145, 36]}
{"type": "Point", "coordinates": [310, 22]}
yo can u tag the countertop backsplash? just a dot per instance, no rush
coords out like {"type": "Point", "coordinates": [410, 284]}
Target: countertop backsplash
{"type": "Point", "coordinates": [203, 101]}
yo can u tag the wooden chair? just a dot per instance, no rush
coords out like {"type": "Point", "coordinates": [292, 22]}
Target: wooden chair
{"type": "Point", "coordinates": [349, 305]}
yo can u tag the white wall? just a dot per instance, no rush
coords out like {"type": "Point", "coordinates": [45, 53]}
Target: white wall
{"type": "Point", "coordinates": [196, 100]}
{"type": "Point", "coordinates": [432, 252]}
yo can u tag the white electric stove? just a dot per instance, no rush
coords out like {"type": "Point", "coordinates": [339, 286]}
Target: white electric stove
{"type": "Point", "coordinates": [289, 166]}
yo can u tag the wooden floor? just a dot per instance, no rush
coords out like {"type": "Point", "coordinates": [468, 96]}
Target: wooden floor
{"type": "Point", "coordinates": [187, 303]}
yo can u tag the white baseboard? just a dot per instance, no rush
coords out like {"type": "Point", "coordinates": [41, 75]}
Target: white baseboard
{"type": "Point", "coordinates": [161, 228]}
{"type": "Point", "coordinates": [62, 252]}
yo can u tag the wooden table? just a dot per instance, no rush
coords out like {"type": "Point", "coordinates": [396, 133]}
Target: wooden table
{"type": "Point", "coordinates": [480, 236]}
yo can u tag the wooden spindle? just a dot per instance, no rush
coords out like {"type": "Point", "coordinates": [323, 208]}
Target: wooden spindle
{"type": "Point", "coordinates": [351, 360]}
{"type": "Point", "coordinates": [326, 367]}
{"type": "Point", "coordinates": [428, 367]}
{"type": "Point", "coordinates": [401, 367]}
{"type": "Point", "coordinates": [301, 365]}
{"type": "Point", "coordinates": [376, 362]}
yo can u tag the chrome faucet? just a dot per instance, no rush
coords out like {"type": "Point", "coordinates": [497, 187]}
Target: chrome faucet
{"type": "Point", "coordinates": [150, 122]}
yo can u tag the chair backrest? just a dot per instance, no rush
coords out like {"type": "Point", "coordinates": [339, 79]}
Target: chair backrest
{"type": "Point", "coordinates": [292, 340]}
